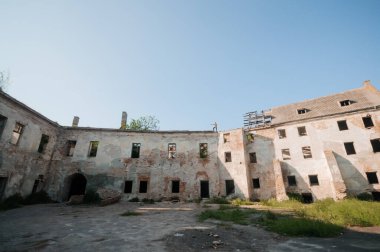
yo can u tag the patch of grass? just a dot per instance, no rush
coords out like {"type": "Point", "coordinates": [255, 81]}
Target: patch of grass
{"type": "Point", "coordinates": [227, 207]}
{"type": "Point", "coordinates": [216, 200]}
{"type": "Point", "coordinates": [11, 202]}
{"type": "Point", "coordinates": [135, 199]}
{"type": "Point", "coordinates": [91, 197]}
{"type": "Point", "coordinates": [291, 203]}
{"type": "Point", "coordinates": [348, 212]}
{"type": "Point", "coordinates": [147, 201]}
{"type": "Point", "coordinates": [302, 227]}
{"type": "Point", "coordinates": [234, 215]}
{"type": "Point", "coordinates": [130, 213]}
{"type": "Point", "coordinates": [240, 202]}
{"type": "Point", "coordinates": [37, 198]}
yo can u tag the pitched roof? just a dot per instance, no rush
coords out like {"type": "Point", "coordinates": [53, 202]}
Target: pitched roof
{"type": "Point", "coordinates": [364, 97]}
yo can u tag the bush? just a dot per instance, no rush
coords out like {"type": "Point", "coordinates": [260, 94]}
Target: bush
{"type": "Point", "coordinates": [135, 199]}
{"type": "Point", "coordinates": [37, 198]}
{"type": "Point", "coordinates": [91, 197]}
{"type": "Point", "coordinates": [216, 200]}
{"type": "Point", "coordinates": [11, 202]}
{"type": "Point", "coordinates": [240, 202]}
{"type": "Point", "coordinates": [365, 197]}
{"type": "Point", "coordinates": [295, 197]}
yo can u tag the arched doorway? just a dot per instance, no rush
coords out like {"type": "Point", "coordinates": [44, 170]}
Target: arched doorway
{"type": "Point", "coordinates": [77, 184]}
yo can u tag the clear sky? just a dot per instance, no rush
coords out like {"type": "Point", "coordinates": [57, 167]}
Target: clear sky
{"type": "Point", "coordinates": [189, 63]}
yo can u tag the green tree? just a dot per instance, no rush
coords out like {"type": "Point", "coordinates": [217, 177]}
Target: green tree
{"type": "Point", "coordinates": [144, 123]}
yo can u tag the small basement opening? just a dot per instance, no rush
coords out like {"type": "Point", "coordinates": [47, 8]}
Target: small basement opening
{"type": "Point", "coordinates": [307, 198]}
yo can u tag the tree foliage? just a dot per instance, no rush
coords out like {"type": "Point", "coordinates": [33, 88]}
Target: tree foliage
{"type": "Point", "coordinates": [144, 123]}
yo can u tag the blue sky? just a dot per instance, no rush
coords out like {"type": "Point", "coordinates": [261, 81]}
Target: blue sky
{"type": "Point", "coordinates": [189, 63]}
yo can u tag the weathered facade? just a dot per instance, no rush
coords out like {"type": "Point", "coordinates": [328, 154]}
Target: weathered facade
{"type": "Point", "coordinates": [327, 147]}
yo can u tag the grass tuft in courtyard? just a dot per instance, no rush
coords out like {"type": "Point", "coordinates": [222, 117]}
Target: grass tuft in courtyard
{"type": "Point", "coordinates": [237, 216]}
{"type": "Point", "coordinates": [130, 213]}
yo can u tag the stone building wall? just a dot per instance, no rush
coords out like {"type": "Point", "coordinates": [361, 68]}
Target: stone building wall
{"type": "Point", "coordinates": [22, 167]}
{"type": "Point", "coordinates": [113, 163]}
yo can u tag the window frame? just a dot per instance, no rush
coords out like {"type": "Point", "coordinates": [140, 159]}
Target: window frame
{"type": "Point", "coordinates": [256, 183]}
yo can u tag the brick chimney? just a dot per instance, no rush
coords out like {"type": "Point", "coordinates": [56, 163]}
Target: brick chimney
{"type": "Point", "coordinates": [124, 120]}
{"type": "Point", "coordinates": [75, 121]}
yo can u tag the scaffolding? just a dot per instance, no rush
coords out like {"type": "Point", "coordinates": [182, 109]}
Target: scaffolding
{"type": "Point", "coordinates": [256, 119]}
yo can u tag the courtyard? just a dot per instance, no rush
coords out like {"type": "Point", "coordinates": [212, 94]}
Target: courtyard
{"type": "Point", "coordinates": [162, 226]}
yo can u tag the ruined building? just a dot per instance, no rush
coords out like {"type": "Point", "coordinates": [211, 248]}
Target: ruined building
{"type": "Point", "coordinates": [327, 147]}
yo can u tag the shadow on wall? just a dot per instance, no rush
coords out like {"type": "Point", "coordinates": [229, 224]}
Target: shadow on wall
{"type": "Point", "coordinates": [301, 186]}
{"type": "Point", "coordinates": [354, 180]}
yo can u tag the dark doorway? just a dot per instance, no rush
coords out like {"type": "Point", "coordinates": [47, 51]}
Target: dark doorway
{"type": "Point", "coordinates": [230, 187]}
{"type": "Point", "coordinates": [376, 196]}
{"type": "Point", "coordinates": [204, 189]}
{"type": "Point", "coordinates": [3, 183]}
{"type": "Point", "coordinates": [78, 184]}
{"type": "Point", "coordinates": [307, 198]}
{"type": "Point", "coordinates": [143, 186]}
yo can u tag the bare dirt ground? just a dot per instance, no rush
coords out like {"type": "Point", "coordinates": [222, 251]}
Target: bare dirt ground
{"type": "Point", "coordinates": [162, 226]}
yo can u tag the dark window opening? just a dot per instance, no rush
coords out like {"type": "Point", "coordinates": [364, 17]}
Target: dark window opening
{"type": "Point", "coordinates": [372, 177]}
{"type": "Point", "coordinates": [342, 125]}
{"type": "Point", "coordinates": [175, 186]}
{"type": "Point", "coordinates": [230, 187]}
{"type": "Point", "coordinates": [227, 157]}
{"type": "Point", "coordinates": [252, 157]}
{"type": "Point", "coordinates": [143, 187]}
{"type": "Point", "coordinates": [292, 181]}
{"type": "Point", "coordinates": [375, 145]}
{"type": "Point", "coordinates": [172, 149]}
{"type": "Point", "coordinates": [376, 196]}
{"type": "Point", "coordinates": [350, 149]}
{"type": "Point", "coordinates": [43, 143]}
{"type": "Point", "coordinates": [306, 151]}
{"type": "Point", "coordinates": [307, 198]}
{"type": "Point", "coordinates": [17, 131]}
{"type": "Point", "coordinates": [313, 179]}
{"type": "Point", "coordinates": [281, 133]}
{"type": "Point", "coordinates": [38, 183]}
{"type": "Point", "coordinates": [256, 183]}
{"type": "Point", "coordinates": [3, 121]}
{"type": "Point", "coordinates": [302, 111]}
{"type": "Point", "coordinates": [135, 150]}
{"type": "Point", "coordinates": [203, 150]}
{"type": "Point", "coordinates": [367, 121]}
{"type": "Point", "coordinates": [285, 154]}
{"type": "Point", "coordinates": [93, 148]}
{"type": "Point", "coordinates": [205, 192]}
{"type": "Point", "coordinates": [70, 148]}
{"type": "Point", "coordinates": [128, 186]}
{"type": "Point", "coordinates": [226, 137]}
{"type": "Point", "coordinates": [302, 131]}
{"type": "Point", "coordinates": [3, 184]}
{"type": "Point", "coordinates": [345, 103]}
